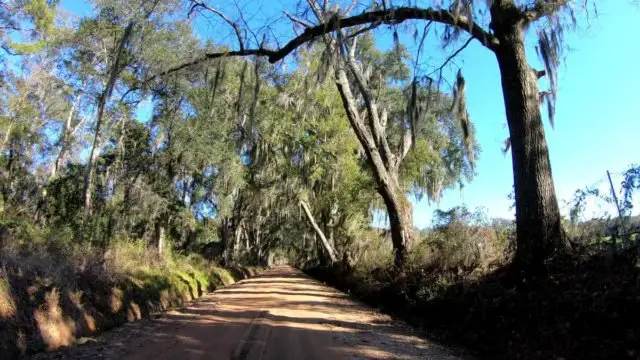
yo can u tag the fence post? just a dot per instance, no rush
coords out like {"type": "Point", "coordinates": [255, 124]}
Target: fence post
{"type": "Point", "coordinates": [620, 219]}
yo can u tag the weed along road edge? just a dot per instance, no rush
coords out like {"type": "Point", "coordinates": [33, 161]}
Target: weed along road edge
{"type": "Point", "coordinates": [280, 314]}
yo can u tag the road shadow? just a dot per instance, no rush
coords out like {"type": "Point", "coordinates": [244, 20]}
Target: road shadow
{"type": "Point", "coordinates": [278, 315]}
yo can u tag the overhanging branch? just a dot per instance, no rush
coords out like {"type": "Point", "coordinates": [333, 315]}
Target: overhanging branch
{"type": "Point", "coordinates": [392, 16]}
{"type": "Point", "coordinates": [298, 21]}
{"type": "Point", "coordinates": [248, 52]}
{"type": "Point", "coordinates": [451, 57]}
{"type": "Point", "coordinates": [387, 16]}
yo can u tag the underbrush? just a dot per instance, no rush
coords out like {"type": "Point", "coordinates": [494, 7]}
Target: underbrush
{"type": "Point", "coordinates": [52, 294]}
{"type": "Point", "coordinates": [586, 308]}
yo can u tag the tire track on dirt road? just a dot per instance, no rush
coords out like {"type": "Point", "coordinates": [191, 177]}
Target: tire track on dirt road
{"type": "Point", "coordinates": [281, 314]}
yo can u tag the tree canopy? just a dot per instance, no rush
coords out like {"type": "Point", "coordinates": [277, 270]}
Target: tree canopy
{"type": "Point", "coordinates": [233, 157]}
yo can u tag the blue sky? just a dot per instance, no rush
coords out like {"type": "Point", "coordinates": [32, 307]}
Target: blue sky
{"type": "Point", "coordinates": [596, 123]}
{"type": "Point", "coordinates": [596, 116]}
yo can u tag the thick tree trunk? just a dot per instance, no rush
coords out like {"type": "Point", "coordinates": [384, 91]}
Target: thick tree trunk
{"type": "Point", "coordinates": [539, 231]}
{"type": "Point", "coordinates": [400, 214]}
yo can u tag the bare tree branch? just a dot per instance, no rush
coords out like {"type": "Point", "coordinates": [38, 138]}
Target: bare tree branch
{"type": "Point", "coordinates": [392, 16]}
{"type": "Point", "coordinates": [234, 25]}
{"type": "Point", "coordinates": [424, 36]}
{"type": "Point", "coordinates": [298, 21]}
{"type": "Point", "coordinates": [362, 30]}
{"type": "Point", "coordinates": [452, 56]}
{"type": "Point", "coordinates": [248, 52]}
{"type": "Point", "coordinates": [543, 8]}
{"type": "Point", "coordinates": [316, 10]}
{"type": "Point", "coordinates": [351, 6]}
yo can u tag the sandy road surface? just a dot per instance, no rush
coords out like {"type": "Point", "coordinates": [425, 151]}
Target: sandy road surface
{"type": "Point", "coordinates": [281, 314]}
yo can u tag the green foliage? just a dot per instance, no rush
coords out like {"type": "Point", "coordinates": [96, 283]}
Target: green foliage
{"type": "Point", "coordinates": [42, 14]}
{"type": "Point", "coordinates": [464, 240]}
{"type": "Point", "coordinates": [228, 150]}
{"type": "Point", "coordinates": [630, 184]}
{"type": "Point", "coordinates": [26, 26]}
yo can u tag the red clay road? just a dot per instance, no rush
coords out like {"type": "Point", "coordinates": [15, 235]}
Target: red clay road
{"type": "Point", "coordinates": [278, 315]}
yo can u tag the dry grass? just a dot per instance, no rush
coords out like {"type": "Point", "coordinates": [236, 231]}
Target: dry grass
{"type": "Point", "coordinates": [56, 330]}
{"type": "Point", "coordinates": [584, 308]}
{"type": "Point", "coordinates": [7, 306]}
{"type": "Point", "coordinates": [453, 254]}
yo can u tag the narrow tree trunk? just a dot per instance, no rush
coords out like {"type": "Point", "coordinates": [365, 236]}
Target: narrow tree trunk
{"type": "Point", "coordinates": [258, 245]}
{"type": "Point", "coordinates": [223, 232]}
{"type": "Point", "coordinates": [539, 231]}
{"type": "Point", "coordinates": [88, 185]}
{"type": "Point", "coordinates": [159, 235]}
{"type": "Point", "coordinates": [320, 249]}
{"type": "Point", "coordinates": [325, 242]}
{"type": "Point", "coordinates": [7, 136]}
{"type": "Point", "coordinates": [304, 244]}
{"type": "Point", "coordinates": [104, 98]}
{"type": "Point", "coordinates": [247, 244]}
{"type": "Point", "coordinates": [66, 139]}
{"type": "Point", "coordinates": [237, 243]}
{"type": "Point", "coordinates": [333, 210]}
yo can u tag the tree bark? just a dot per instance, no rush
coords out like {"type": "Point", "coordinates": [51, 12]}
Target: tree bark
{"type": "Point", "coordinates": [538, 222]}
{"type": "Point", "coordinates": [400, 214]}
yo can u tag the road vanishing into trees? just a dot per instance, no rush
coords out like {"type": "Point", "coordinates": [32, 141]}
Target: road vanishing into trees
{"type": "Point", "coordinates": [280, 314]}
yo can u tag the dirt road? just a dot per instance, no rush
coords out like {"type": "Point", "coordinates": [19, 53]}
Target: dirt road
{"type": "Point", "coordinates": [281, 314]}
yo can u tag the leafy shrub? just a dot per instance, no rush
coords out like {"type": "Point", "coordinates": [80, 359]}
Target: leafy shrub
{"type": "Point", "coordinates": [462, 241]}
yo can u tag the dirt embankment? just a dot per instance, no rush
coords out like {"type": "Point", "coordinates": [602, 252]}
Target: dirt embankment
{"type": "Point", "coordinates": [40, 313]}
{"type": "Point", "coordinates": [280, 314]}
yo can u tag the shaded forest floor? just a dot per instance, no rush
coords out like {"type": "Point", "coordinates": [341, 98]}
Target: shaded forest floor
{"type": "Point", "coordinates": [584, 309]}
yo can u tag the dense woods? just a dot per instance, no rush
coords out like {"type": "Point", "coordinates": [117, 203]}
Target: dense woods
{"type": "Point", "coordinates": [234, 155]}
{"type": "Point", "coordinates": [129, 144]}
